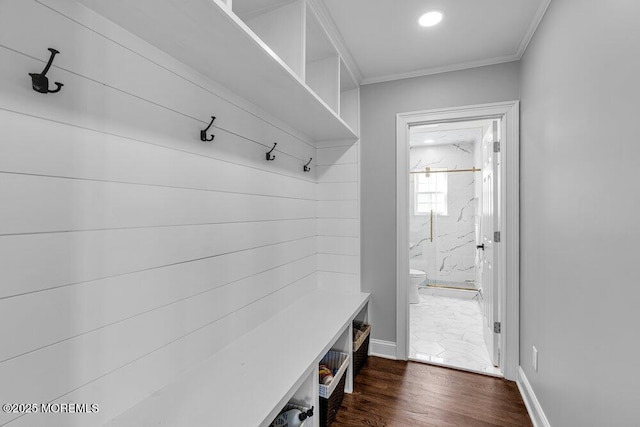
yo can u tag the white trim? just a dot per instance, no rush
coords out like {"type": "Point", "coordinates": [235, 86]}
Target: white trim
{"type": "Point", "coordinates": [528, 35]}
{"type": "Point", "coordinates": [538, 418]}
{"type": "Point", "coordinates": [384, 349]}
{"type": "Point", "coordinates": [510, 227]}
{"type": "Point", "coordinates": [402, 236]}
{"type": "Point", "coordinates": [508, 251]}
{"type": "Point", "coordinates": [439, 70]}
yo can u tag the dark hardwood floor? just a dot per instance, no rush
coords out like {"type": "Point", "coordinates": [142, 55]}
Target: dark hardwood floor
{"type": "Point", "coordinates": [392, 393]}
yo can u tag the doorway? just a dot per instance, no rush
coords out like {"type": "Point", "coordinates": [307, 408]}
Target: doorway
{"type": "Point", "coordinates": [451, 213]}
{"type": "Point", "coordinates": [457, 247]}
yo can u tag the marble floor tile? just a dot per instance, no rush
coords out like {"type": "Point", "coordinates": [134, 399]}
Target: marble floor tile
{"type": "Point", "coordinates": [448, 331]}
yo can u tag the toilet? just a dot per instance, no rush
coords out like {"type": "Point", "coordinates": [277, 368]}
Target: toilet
{"type": "Point", "coordinates": [416, 277]}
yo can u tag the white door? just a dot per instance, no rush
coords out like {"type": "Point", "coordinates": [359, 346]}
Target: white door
{"type": "Point", "coordinates": [488, 225]}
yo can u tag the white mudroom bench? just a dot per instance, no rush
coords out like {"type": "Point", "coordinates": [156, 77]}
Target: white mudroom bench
{"type": "Point", "coordinates": [249, 381]}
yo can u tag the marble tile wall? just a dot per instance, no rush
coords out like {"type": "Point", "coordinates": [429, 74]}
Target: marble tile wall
{"type": "Point", "coordinates": [450, 258]}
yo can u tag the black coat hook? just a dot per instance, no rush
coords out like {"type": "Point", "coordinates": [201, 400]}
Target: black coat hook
{"type": "Point", "coordinates": [40, 82]}
{"type": "Point", "coordinates": [203, 133]}
{"type": "Point", "coordinates": [306, 167]}
{"type": "Point", "coordinates": [269, 156]}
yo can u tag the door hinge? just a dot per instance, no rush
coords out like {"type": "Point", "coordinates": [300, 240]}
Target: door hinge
{"type": "Point", "coordinates": [496, 236]}
{"type": "Point", "coordinates": [497, 327]}
{"type": "Point", "coordinates": [496, 146]}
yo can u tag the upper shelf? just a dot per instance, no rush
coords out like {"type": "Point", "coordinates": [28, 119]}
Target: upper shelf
{"type": "Point", "coordinates": [208, 37]}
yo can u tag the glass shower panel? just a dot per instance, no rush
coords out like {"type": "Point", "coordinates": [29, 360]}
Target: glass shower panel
{"type": "Point", "coordinates": [453, 253]}
{"type": "Point", "coordinates": [443, 201]}
{"type": "Point", "coordinates": [443, 226]}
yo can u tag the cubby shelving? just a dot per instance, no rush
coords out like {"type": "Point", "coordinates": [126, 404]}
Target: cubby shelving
{"type": "Point", "coordinates": [307, 395]}
{"type": "Point", "coordinates": [280, 25]}
{"type": "Point", "coordinates": [255, 48]}
{"type": "Point", "coordinates": [322, 62]}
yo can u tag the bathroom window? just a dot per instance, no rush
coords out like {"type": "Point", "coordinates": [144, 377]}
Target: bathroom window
{"type": "Point", "coordinates": [431, 193]}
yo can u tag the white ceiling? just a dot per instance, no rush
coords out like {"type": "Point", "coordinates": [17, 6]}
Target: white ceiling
{"type": "Point", "coordinates": [448, 133]}
{"type": "Point", "coordinates": [386, 43]}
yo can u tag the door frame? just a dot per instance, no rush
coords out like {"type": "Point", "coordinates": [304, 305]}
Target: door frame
{"type": "Point", "coordinates": [508, 250]}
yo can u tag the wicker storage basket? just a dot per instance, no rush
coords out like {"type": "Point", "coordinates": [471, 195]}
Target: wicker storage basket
{"type": "Point", "coordinates": [361, 348]}
{"type": "Point", "coordinates": [331, 395]}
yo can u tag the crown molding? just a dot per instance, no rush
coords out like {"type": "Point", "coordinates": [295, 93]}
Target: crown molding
{"type": "Point", "coordinates": [332, 30]}
{"type": "Point", "coordinates": [528, 35]}
{"type": "Point", "coordinates": [439, 70]}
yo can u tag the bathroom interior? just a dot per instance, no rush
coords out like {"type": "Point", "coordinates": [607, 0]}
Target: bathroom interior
{"type": "Point", "coordinates": [446, 206]}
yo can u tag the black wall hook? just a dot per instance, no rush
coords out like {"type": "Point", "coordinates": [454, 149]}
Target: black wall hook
{"type": "Point", "coordinates": [203, 133]}
{"type": "Point", "coordinates": [40, 82]}
{"type": "Point", "coordinates": [269, 156]}
{"type": "Point", "coordinates": [306, 167]}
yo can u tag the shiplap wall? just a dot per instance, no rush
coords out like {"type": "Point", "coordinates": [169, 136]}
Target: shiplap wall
{"type": "Point", "coordinates": [131, 250]}
{"type": "Point", "coordinates": [339, 216]}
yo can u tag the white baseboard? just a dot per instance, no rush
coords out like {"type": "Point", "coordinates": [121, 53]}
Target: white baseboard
{"type": "Point", "coordinates": [380, 348]}
{"type": "Point", "coordinates": [536, 413]}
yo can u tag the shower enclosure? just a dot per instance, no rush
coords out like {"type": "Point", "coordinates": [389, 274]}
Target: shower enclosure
{"type": "Point", "coordinates": [443, 227]}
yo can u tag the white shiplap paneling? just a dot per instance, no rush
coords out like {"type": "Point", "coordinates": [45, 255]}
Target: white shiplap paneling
{"type": "Point", "coordinates": [45, 204]}
{"type": "Point", "coordinates": [132, 250]}
{"type": "Point", "coordinates": [38, 375]}
{"type": "Point", "coordinates": [339, 282]}
{"type": "Point", "coordinates": [338, 191]}
{"type": "Point", "coordinates": [46, 260]}
{"type": "Point", "coordinates": [339, 227]}
{"type": "Point", "coordinates": [329, 156]}
{"type": "Point", "coordinates": [338, 173]}
{"type": "Point", "coordinates": [347, 209]}
{"type": "Point", "coordinates": [338, 263]}
{"type": "Point", "coordinates": [69, 311]}
{"type": "Point", "coordinates": [338, 217]}
{"type": "Point", "coordinates": [119, 159]}
{"type": "Point", "coordinates": [89, 104]}
{"type": "Point", "coordinates": [152, 371]}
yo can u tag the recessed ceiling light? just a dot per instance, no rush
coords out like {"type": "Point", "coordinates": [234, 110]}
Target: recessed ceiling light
{"type": "Point", "coordinates": [429, 141]}
{"type": "Point", "coordinates": [430, 19]}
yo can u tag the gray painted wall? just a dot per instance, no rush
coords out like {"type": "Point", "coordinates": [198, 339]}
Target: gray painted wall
{"type": "Point", "coordinates": [580, 201]}
{"type": "Point", "coordinates": [379, 105]}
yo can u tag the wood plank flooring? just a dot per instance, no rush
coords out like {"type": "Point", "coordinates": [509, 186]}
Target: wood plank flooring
{"type": "Point", "coordinates": [390, 393]}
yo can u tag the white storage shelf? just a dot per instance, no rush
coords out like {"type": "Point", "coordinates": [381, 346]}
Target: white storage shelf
{"type": "Point", "coordinates": [254, 377]}
{"type": "Point", "coordinates": [322, 62]}
{"type": "Point", "coordinates": [209, 37]}
{"type": "Point", "coordinates": [280, 25]}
